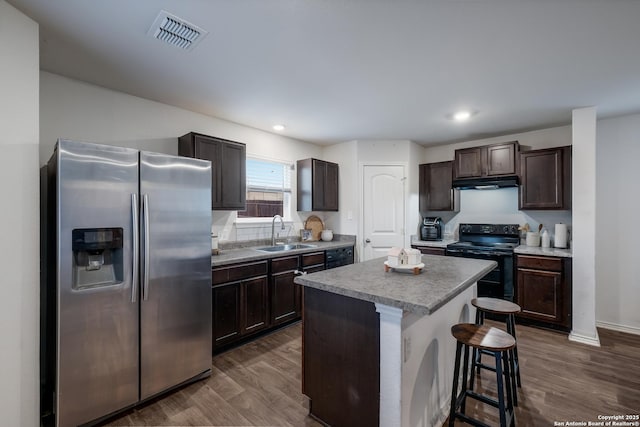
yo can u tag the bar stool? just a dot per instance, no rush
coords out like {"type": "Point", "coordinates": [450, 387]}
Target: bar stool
{"type": "Point", "coordinates": [509, 309]}
{"type": "Point", "coordinates": [496, 342]}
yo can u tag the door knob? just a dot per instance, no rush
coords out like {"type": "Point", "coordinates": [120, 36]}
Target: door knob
{"type": "Point", "coordinates": [367, 241]}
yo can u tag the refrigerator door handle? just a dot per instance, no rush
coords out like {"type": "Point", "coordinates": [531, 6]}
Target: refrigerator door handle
{"type": "Point", "coordinates": [145, 219]}
{"type": "Point", "coordinates": [136, 247]}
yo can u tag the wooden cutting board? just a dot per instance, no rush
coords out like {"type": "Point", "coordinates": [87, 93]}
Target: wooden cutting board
{"type": "Point", "coordinates": [314, 223]}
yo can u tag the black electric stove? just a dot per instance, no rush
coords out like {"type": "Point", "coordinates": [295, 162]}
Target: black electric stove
{"type": "Point", "coordinates": [494, 242]}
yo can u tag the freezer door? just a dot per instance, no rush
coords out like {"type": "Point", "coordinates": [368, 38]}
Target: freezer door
{"type": "Point", "coordinates": [175, 319]}
{"type": "Point", "coordinates": [97, 312]}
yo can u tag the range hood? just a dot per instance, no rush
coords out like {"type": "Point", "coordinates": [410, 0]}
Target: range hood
{"type": "Point", "coordinates": [487, 183]}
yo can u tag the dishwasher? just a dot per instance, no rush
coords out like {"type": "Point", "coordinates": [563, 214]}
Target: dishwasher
{"type": "Point", "coordinates": [338, 257]}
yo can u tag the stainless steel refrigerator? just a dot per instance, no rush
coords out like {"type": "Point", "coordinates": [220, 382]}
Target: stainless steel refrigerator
{"type": "Point", "coordinates": [126, 278]}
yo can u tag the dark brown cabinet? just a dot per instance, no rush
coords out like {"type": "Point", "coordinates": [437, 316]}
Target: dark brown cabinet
{"type": "Point", "coordinates": [435, 190]}
{"type": "Point", "coordinates": [240, 301]}
{"type": "Point", "coordinates": [226, 313]}
{"type": "Point", "coordinates": [317, 183]}
{"type": "Point", "coordinates": [486, 161]}
{"type": "Point", "coordinates": [543, 290]}
{"type": "Point", "coordinates": [285, 295]}
{"type": "Point", "coordinates": [254, 297]}
{"type": "Point", "coordinates": [228, 168]}
{"type": "Point", "coordinates": [545, 177]}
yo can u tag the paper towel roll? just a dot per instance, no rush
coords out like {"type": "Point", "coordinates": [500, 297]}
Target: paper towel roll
{"type": "Point", "coordinates": [560, 240]}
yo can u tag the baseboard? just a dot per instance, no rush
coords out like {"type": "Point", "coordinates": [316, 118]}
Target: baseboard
{"type": "Point", "coordinates": [583, 339]}
{"type": "Point", "coordinates": [620, 328]}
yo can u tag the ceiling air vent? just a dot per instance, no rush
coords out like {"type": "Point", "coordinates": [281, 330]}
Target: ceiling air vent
{"type": "Point", "coordinates": [175, 31]}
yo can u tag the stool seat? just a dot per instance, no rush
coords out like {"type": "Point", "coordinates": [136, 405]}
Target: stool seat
{"type": "Point", "coordinates": [495, 305]}
{"type": "Point", "coordinates": [483, 337]}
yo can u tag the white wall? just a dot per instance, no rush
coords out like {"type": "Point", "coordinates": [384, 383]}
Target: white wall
{"type": "Point", "coordinates": [534, 140]}
{"type": "Point", "coordinates": [501, 206]}
{"type": "Point", "coordinates": [617, 250]}
{"type": "Point", "coordinates": [77, 110]}
{"type": "Point", "coordinates": [19, 183]}
{"type": "Point", "coordinates": [347, 219]}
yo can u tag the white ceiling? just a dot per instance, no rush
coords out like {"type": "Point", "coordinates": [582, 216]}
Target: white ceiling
{"type": "Point", "coordinates": [339, 70]}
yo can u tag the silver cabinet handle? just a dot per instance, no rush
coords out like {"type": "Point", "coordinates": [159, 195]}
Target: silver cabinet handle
{"type": "Point", "coordinates": [145, 271]}
{"type": "Point", "coordinates": [300, 273]}
{"type": "Point", "coordinates": [136, 250]}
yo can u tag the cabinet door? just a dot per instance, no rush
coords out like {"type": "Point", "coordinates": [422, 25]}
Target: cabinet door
{"type": "Point", "coordinates": [285, 297]}
{"type": "Point", "coordinates": [540, 295]}
{"type": "Point", "coordinates": [435, 189]}
{"type": "Point", "coordinates": [331, 187]}
{"type": "Point", "coordinates": [468, 163]}
{"type": "Point", "coordinates": [255, 294]}
{"type": "Point", "coordinates": [501, 159]}
{"type": "Point", "coordinates": [319, 177]}
{"type": "Point", "coordinates": [544, 179]}
{"type": "Point", "coordinates": [209, 149]}
{"type": "Point", "coordinates": [233, 176]}
{"type": "Point", "coordinates": [226, 313]}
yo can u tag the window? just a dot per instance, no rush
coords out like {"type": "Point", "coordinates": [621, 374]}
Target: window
{"type": "Point", "coordinates": [268, 189]}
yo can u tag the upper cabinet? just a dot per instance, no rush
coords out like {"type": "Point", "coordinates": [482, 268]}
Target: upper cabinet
{"type": "Point", "coordinates": [228, 168]}
{"type": "Point", "coordinates": [545, 176]}
{"type": "Point", "coordinates": [317, 185]}
{"type": "Point", "coordinates": [486, 161]}
{"type": "Point", "coordinates": [436, 193]}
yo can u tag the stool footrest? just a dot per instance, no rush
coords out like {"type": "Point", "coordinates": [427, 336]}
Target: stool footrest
{"type": "Point", "coordinates": [487, 367]}
{"type": "Point", "coordinates": [484, 399]}
{"type": "Point", "coordinates": [470, 420]}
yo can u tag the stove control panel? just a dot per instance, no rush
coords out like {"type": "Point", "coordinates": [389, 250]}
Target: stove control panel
{"type": "Point", "coordinates": [501, 229]}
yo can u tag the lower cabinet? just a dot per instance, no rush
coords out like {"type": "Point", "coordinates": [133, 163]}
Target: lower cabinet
{"type": "Point", "coordinates": [285, 300]}
{"type": "Point", "coordinates": [543, 290]}
{"type": "Point", "coordinates": [253, 297]}
{"type": "Point", "coordinates": [240, 301]}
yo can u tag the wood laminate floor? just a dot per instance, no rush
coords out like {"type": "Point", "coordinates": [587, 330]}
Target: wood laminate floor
{"type": "Point", "coordinates": [258, 384]}
{"type": "Point", "coordinates": [563, 381]}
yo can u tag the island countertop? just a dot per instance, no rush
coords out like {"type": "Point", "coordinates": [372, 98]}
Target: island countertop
{"type": "Point", "coordinates": [441, 280]}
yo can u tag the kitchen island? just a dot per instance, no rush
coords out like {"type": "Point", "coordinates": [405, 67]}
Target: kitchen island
{"type": "Point", "coordinates": [377, 347]}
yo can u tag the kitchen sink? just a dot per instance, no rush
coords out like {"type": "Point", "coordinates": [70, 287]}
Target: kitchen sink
{"type": "Point", "coordinates": [282, 248]}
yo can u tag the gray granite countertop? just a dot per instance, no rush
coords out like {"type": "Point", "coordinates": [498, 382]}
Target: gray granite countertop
{"type": "Point", "coordinates": [537, 250]}
{"type": "Point", "coordinates": [246, 254]}
{"type": "Point", "coordinates": [441, 279]}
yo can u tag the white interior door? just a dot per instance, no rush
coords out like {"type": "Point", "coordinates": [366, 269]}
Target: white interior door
{"type": "Point", "coordinates": [383, 209]}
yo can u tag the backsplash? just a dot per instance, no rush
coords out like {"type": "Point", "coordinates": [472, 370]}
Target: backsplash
{"type": "Point", "coordinates": [500, 207]}
{"type": "Point", "coordinates": [224, 225]}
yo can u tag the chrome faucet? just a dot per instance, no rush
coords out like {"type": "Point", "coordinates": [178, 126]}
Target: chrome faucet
{"type": "Point", "coordinates": [273, 224]}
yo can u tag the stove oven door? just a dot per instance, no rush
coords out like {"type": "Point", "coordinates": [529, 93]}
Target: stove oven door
{"type": "Point", "coordinates": [493, 283]}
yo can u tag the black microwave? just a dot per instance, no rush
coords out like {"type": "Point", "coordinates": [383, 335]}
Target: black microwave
{"type": "Point", "coordinates": [431, 228]}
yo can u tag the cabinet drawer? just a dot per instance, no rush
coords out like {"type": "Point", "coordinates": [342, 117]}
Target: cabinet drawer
{"type": "Point", "coordinates": [279, 265]}
{"type": "Point", "coordinates": [430, 250]}
{"type": "Point", "coordinates": [312, 259]}
{"type": "Point", "coordinates": [238, 272]}
{"type": "Point", "coordinates": [540, 262]}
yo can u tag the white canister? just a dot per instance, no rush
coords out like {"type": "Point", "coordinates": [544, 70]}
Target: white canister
{"type": "Point", "coordinates": [533, 238]}
{"type": "Point", "coordinates": [546, 239]}
{"type": "Point", "coordinates": [326, 235]}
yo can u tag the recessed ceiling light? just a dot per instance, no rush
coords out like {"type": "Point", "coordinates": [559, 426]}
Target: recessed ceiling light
{"type": "Point", "coordinates": [278, 128]}
{"type": "Point", "coordinates": [461, 116]}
